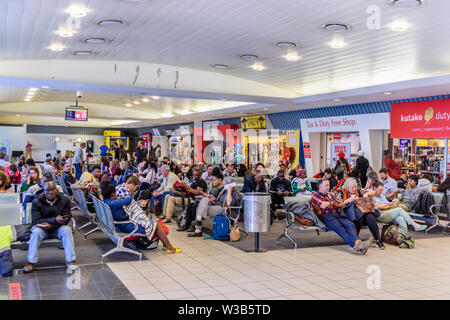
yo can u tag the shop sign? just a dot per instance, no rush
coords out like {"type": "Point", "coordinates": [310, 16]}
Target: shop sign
{"type": "Point", "coordinates": [338, 147]}
{"type": "Point", "coordinates": [111, 133]}
{"type": "Point", "coordinates": [290, 133]}
{"type": "Point", "coordinates": [169, 132]}
{"type": "Point", "coordinates": [185, 130]}
{"type": "Point", "coordinates": [423, 119]}
{"type": "Point", "coordinates": [307, 150]}
{"type": "Point", "coordinates": [253, 122]}
{"type": "Point", "coordinates": [337, 136]}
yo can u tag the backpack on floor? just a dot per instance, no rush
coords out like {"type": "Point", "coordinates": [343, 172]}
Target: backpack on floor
{"type": "Point", "coordinates": [394, 235]}
{"type": "Point", "coordinates": [221, 228]}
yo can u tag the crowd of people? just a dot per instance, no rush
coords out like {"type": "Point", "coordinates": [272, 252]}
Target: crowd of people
{"type": "Point", "coordinates": [156, 185]}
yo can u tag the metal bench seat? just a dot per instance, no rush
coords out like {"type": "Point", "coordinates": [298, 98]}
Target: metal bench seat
{"type": "Point", "coordinates": [81, 204]}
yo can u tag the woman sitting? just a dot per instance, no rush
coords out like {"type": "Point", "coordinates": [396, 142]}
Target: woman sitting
{"type": "Point", "coordinates": [372, 178]}
{"type": "Point", "coordinates": [119, 214]}
{"type": "Point", "coordinates": [14, 174]}
{"type": "Point", "coordinates": [32, 179]}
{"type": "Point", "coordinates": [300, 184]}
{"type": "Point", "coordinates": [349, 194]}
{"type": "Point", "coordinates": [389, 213]}
{"type": "Point", "coordinates": [5, 186]}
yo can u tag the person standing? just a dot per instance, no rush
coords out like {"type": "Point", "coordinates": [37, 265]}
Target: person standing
{"type": "Point", "coordinates": [28, 150]}
{"type": "Point", "coordinates": [362, 164]}
{"type": "Point", "coordinates": [78, 157]}
{"type": "Point", "coordinates": [391, 165]}
{"type": "Point", "coordinates": [341, 166]}
{"type": "Point", "coordinates": [141, 152]}
{"type": "Point", "coordinates": [104, 150]}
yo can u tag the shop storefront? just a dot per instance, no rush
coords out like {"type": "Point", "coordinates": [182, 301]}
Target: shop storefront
{"type": "Point", "coordinates": [325, 138]}
{"type": "Point", "coordinates": [419, 134]}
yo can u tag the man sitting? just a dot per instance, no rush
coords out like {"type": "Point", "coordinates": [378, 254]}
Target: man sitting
{"type": "Point", "coordinates": [213, 204]}
{"type": "Point", "coordinates": [199, 185]}
{"type": "Point", "coordinates": [329, 175]}
{"type": "Point", "coordinates": [90, 180]}
{"type": "Point", "coordinates": [280, 187]}
{"type": "Point", "coordinates": [255, 183]}
{"type": "Point", "coordinates": [50, 216]}
{"type": "Point", "coordinates": [208, 175]}
{"type": "Point", "coordinates": [328, 208]}
{"type": "Point", "coordinates": [169, 178]}
{"type": "Point", "coordinates": [390, 185]}
{"type": "Point", "coordinates": [410, 195]}
{"type": "Point", "coordinates": [67, 176]}
{"type": "Point", "coordinates": [35, 190]}
{"type": "Point", "coordinates": [230, 171]}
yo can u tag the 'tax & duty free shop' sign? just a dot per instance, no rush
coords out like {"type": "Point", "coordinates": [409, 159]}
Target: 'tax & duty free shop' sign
{"type": "Point", "coordinates": [423, 119]}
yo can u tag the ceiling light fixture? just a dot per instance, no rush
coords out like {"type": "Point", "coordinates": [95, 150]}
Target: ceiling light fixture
{"type": "Point", "coordinates": [77, 11]}
{"type": "Point", "coordinates": [337, 44]}
{"type": "Point", "coordinates": [111, 23]}
{"type": "Point", "coordinates": [45, 87]}
{"type": "Point", "coordinates": [56, 47]}
{"type": "Point", "coordinates": [406, 3]}
{"type": "Point", "coordinates": [82, 53]}
{"type": "Point", "coordinates": [292, 56]}
{"type": "Point", "coordinates": [221, 66]}
{"type": "Point", "coordinates": [128, 105]}
{"type": "Point", "coordinates": [145, 100]}
{"type": "Point", "coordinates": [155, 97]}
{"type": "Point", "coordinates": [119, 122]}
{"type": "Point", "coordinates": [33, 89]}
{"type": "Point", "coordinates": [136, 1]}
{"type": "Point", "coordinates": [337, 100]}
{"type": "Point", "coordinates": [65, 32]}
{"type": "Point", "coordinates": [400, 25]}
{"type": "Point", "coordinates": [94, 40]}
{"type": "Point", "coordinates": [336, 27]}
{"type": "Point", "coordinates": [258, 66]}
{"type": "Point", "coordinates": [136, 102]}
{"type": "Point", "coordinates": [250, 57]}
{"type": "Point", "coordinates": [27, 100]}
{"type": "Point", "coordinates": [286, 45]}
{"type": "Point", "coordinates": [388, 93]}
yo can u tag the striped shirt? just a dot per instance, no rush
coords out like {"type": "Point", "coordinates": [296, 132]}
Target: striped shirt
{"type": "Point", "coordinates": [122, 191]}
{"type": "Point", "coordinates": [319, 198]}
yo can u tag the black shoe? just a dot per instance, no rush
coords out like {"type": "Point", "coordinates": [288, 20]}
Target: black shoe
{"type": "Point", "coordinates": [184, 229]}
{"type": "Point", "coordinates": [195, 234]}
{"type": "Point", "coordinates": [380, 245]}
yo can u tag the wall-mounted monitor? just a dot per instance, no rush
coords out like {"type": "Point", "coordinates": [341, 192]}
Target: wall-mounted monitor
{"type": "Point", "coordinates": [76, 113]}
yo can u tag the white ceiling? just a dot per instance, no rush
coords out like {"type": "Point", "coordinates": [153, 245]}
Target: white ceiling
{"type": "Point", "coordinates": [198, 33]}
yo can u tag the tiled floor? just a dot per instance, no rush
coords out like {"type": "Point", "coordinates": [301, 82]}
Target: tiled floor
{"type": "Point", "coordinates": [210, 269]}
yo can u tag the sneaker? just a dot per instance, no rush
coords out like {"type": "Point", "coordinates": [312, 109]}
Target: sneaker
{"type": "Point", "coordinates": [195, 234]}
{"type": "Point", "coordinates": [29, 267]}
{"type": "Point", "coordinates": [191, 228]}
{"type": "Point", "coordinates": [167, 221]}
{"type": "Point", "coordinates": [421, 227]}
{"type": "Point", "coordinates": [380, 245]}
{"type": "Point", "coordinates": [71, 267]}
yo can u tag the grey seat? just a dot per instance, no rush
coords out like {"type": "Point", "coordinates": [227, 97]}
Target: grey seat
{"type": "Point", "coordinates": [80, 202]}
{"type": "Point", "coordinates": [435, 212]}
{"type": "Point", "coordinates": [108, 226]}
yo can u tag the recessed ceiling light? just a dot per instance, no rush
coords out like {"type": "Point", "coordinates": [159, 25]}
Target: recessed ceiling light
{"type": "Point", "coordinates": [407, 3]}
{"type": "Point", "coordinates": [77, 11]}
{"type": "Point", "coordinates": [336, 27]}
{"type": "Point", "coordinates": [292, 56]}
{"type": "Point", "coordinates": [136, 1]}
{"type": "Point", "coordinates": [94, 40]}
{"type": "Point", "coordinates": [155, 97]}
{"type": "Point", "coordinates": [145, 100]}
{"type": "Point", "coordinates": [18, 115]}
{"type": "Point", "coordinates": [27, 100]}
{"type": "Point", "coordinates": [56, 47]}
{"type": "Point", "coordinates": [258, 66]}
{"type": "Point", "coordinates": [337, 44]}
{"type": "Point", "coordinates": [65, 32]}
{"type": "Point", "coordinates": [221, 66]}
{"type": "Point", "coordinates": [388, 93]}
{"type": "Point", "coordinates": [250, 57]}
{"type": "Point", "coordinates": [337, 100]}
{"type": "Point", "coordinates": [111, 23]}
{"type": "Point", "coordinates": [33, 89]}
{"type": "Point", "coordinates": [45, 87]}
{"type": "Point", "coordinates": [399, 25]}
{"type": "Point", "coordinates": [82, 53]}
{"type": "Point", "coordinates": [136, 102]}
{"type": "Point", "coordinates": [129, 105]}
{"type": "Point", "coordinates": [265, 109]}
{"type": "Point", "coordinates": [286, 45]}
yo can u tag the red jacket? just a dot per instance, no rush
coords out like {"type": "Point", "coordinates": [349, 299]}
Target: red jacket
{"type": "Point", "coordinates": [16, 178]}
{"type": "Point", "coordinates": [393, 168]}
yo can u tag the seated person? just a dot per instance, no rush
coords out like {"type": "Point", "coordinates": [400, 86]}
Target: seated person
{"type": "Point", "coordinates": [208, 175]}
{"type": "Point", "coordinates": [14, 174]}
{"type": "Point", "coordinates": [50, 216]}
{"type": "Point", "coordinates": [199, 185]}
{"type": "Point", "coordinates": [48, 163]}
{"type": "Point", "coordinates": [169, 178]}
{"type": "Point", "coordinates": [230, 171]}
{"type": "Point", "coordinates": [330, 176]}
{"type": "Point", "coordinates": [32, 179]}
{"type": "Point", "coordinates": [130, 170]}
{"type": "Point", "coordinates": [356, 174]}
{"type": "Point", "coordinates": [370, 184]}
{"type": "Point", "coordinates": [5, 185]}
{"type": "Point", "coordinates": [300, 183]}
{"type": "Point", "coordinates": [426, 182]}
{"type": "Point", "coordinates": [254, 183]}
{"type": "Point", "coordinates": [67, 177]}
{"type": "Point", "coordinates": [328, 208]}
{"type": "Point", "coordinates": [389, 213]}
{"type": "Point", "coordinates": [280, 187]}
{"type": "Point", "coordinates": [119, 214]}
{"type": "Point", "coordinates": [390, 185]}
{"type": "Point", "coordinates": [408, 198]}
{"type": "Point", "coordinates": [115, 168]}
{"type": "Point", "coordinates": [128, 189]}
{"type": "Point", "coordinates": [350, 193]}
{"type": "Point", "coordinates": [211, 205]}
{"type": "Point", "coordinates": [90, 180]}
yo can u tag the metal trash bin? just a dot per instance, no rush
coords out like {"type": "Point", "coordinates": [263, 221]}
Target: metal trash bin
{"type": "Point", "coordinates": [257, 215]}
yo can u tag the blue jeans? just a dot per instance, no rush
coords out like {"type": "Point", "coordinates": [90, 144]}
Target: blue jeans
{"type": "Point", "coordinates": [37, 235]}
{"type": "Point", "coordinates": [345, 228]}
{"type": "Point", "coordinates": [77, 170]}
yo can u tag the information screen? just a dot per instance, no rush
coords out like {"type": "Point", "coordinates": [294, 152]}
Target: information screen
{"type": "Point", "coordinates": [76, 114]}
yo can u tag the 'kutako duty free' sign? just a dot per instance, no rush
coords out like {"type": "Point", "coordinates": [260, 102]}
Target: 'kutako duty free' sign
{"type": "Point", "coordinates": [424, 119]}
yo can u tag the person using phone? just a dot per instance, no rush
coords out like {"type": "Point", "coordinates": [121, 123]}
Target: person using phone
{"type": "Point", "coordinates": [50, 215]}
